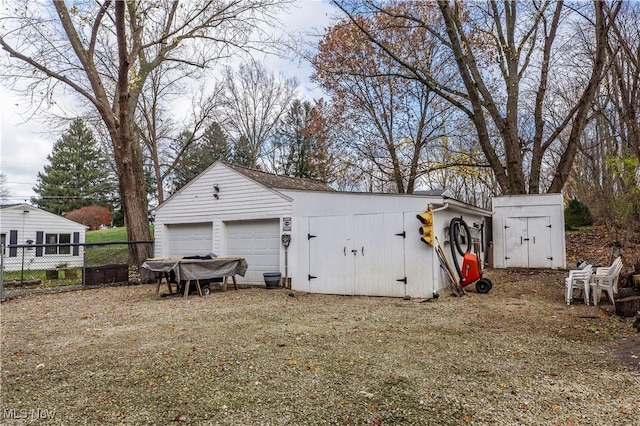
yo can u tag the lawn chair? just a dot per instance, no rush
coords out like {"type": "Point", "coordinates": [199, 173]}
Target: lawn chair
{"type": "Point", "coordinates": [578, 279]}
{"type": "Point", "coordinates": [606, 278]}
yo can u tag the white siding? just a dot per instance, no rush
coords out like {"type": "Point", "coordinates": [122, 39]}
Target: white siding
{"type": "Point", "coordinates": [27, 225]}
{"type": "Point", "coordinates": [239, 198]}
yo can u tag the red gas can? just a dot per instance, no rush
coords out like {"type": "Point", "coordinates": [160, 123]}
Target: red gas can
{"type": "Point", "coordinates": [470, 269]}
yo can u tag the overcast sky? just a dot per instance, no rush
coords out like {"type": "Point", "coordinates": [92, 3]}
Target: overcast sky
{"type": "Point", "coordinates": [26, 141]}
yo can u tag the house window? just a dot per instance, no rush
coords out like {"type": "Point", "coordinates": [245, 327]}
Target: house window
{"type": "Point", "coordinates": [64, 239]}
{"type": "Point", "coordinates": [52, 241]}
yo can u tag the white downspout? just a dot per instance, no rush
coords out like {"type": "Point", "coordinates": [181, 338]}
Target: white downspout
{"type": "Point", "coordinates": [436, 266]}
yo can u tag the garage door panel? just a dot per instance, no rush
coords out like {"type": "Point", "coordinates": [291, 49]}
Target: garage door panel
{"type": "Point", "coordinates": [258, 241]}
{"type": "Point", "coordinates": [190, 239]}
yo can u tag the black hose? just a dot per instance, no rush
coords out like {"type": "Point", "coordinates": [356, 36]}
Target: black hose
{"type": "Point", "coordinates": [454, 234]}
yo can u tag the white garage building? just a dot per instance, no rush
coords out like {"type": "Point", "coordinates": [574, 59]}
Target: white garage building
{"type": "Point", "coordinates": [340, 242]}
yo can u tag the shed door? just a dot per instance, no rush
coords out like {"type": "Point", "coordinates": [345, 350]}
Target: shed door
{"type": "Point", "coordinates": [258, 241]}
{"type": "Point", "coordinates": [190, 239]}
{"type": "Point", "coordinates": [360, 254]}
{"type": "Point", "coordinates": [528, 242]}
{"type": "Point", "coordinates": [539, 244]}
{"type": "Point", "coordinates": [330, 257]}
{"type": "Point", "coordinates": [379, 255]}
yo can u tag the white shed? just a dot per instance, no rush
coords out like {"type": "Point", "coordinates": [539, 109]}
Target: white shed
{"type": "Point", "coordinates": [23, 224]}
{"type": "Point", "coordinates": [528, 231]}
{"type": "Point", "coordinates": [340, 242]}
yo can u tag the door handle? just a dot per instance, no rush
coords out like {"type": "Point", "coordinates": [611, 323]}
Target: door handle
{"type": "Point", "coordinates": [354, 251]}
{"type": "Point", "coordinates": [345, 250]}
{"type": "Point", "coordinates": [363, 250]}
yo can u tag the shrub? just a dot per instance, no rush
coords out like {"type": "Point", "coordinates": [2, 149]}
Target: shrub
{"type": "Point", "coordinates": [92, 216]}
{"type": "Point", "coordinates": [577, 214]}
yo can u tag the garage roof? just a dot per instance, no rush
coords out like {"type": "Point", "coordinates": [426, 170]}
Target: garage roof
{"type": "Point", "coordinates": [280, 182]}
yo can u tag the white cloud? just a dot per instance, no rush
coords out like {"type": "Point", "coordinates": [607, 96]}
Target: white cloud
{"type": "Point", "coordinates": [26, 141]}
{"type": "Point", "coordinates": [24, 145]}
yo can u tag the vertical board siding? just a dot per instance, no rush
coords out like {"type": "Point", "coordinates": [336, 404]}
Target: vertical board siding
{"type": "Point", "coordinates": [510, 209]}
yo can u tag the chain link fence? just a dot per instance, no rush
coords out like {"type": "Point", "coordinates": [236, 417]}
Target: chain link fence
{"type": "Point", "coordinates": [28, 266]}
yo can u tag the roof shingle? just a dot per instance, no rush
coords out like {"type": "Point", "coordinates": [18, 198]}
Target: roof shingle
{"type": "Point", "coordinates": [273, 181]}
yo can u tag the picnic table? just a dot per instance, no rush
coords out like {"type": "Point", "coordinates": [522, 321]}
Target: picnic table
{"type": "Point", "coordinates": [196, 270]}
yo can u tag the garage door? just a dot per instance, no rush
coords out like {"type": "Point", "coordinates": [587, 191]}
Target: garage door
{"type": "Point", "coordinates": [258, 241]}
{"type": "Point", "coordinates": [192, 239]}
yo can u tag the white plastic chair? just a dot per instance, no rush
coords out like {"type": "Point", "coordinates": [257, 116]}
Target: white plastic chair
{"type": "Point", "coordinates": [606, 278]}
{"type": "Point", "coordinates": [578, 279]}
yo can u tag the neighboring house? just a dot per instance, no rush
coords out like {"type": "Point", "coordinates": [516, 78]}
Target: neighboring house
{"type": "Point", "coordinates": [23, 224]}
{"type": "Point", "coordinates": [340, 242]}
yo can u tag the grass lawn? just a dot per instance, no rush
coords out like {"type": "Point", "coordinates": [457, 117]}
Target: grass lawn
{"type": "Point", "coordinates": [107, 254]}
{"type": "Point", "coordinates": [107, 235]}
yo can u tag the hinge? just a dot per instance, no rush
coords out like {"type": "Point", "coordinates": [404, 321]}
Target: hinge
{"type": "Point", "coordinates": [309, 236]}
{"type": "Point", "coordinates": [402, 234]}
{"type": "Point", "coordinates": [402, 280]}
{"type": "Point", "coordinates": [310, 277]}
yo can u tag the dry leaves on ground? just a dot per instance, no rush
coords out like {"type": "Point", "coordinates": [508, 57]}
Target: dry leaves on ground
{"type": "Point", "coordinates": [123, 355]}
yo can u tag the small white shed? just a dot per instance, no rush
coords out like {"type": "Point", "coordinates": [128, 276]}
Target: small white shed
{"type": "Point", "coordinates": [528, 231]}
{"type": "Point", "coordinates": [23, 224]}
{"type": "Point", "coordinates": [340, 242]}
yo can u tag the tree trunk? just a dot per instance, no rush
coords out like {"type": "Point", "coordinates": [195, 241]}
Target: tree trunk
{"type": "Point", "coordinates": [128, 154]}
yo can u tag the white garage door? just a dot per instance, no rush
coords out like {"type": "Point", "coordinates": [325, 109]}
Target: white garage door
{"type": "Point", "coordinates": [191, 239]}
{"type": "Point", "coordinates": [258, 241]}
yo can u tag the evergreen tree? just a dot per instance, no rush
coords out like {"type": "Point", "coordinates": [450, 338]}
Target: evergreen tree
{"type": "Point", "coordinates": [77, 174]}
{"type": "Point", "coordinates": [242, 153]}
{"type": "Point", "coordinates": [577, 214]}
{"type": "Point", "coordinates": [300, 143]}
{"type": "Point", "coordinates": [200, 154]}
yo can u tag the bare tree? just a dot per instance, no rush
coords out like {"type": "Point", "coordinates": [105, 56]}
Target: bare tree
{"type": "Point", "coordinates": [4, 191]}
{"type": "Point", "coordinates": [159, 130]}
{"type": "Point", "coordinates": [105, 52]}
{"type": "Point", "coordinates": [519, 43]}
{"type": "Point", "coordinates": [625, 51]}
{"type": "Point", "coordinates": [393, 120]}
{"type": "Point", "coordinates": [254, 101]}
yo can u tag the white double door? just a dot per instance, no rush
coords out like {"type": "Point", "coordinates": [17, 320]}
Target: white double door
{"type": "Point", "coordinates": [362, 254]}
{"type": "Point", "coordinates": [528, 242]}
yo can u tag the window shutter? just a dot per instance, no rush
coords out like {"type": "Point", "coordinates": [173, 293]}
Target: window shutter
{"type": "Point", "coordinates": [39, 240]}
{"type": "Point", "coordinates": [76, 240]}
{"type": "Point", "coordinates": [13, 240]}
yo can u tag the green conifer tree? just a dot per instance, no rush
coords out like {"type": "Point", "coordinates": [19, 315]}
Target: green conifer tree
{"type": "Point", "coordinates": [76, 174]}
{"type": "Point", "coordinates": [200, 154]}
